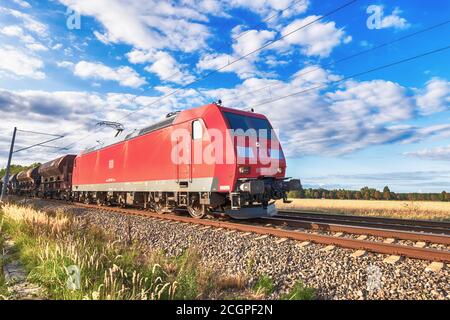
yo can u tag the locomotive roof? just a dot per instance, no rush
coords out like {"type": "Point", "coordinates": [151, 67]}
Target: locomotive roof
{"type": "Point", "coordinates": [171, 118]}
{"type": "Point", "coordinates": [156, 126]}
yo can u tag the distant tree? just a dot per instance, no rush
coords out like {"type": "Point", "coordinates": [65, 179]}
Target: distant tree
{"type": "Point", "coordinates": [377, 195]}
{"type": "Point", "coordinates": [447, 197]}
{"type": "Point", "coordinates": [443, 196]}
{"type": "Point", "coordinates": [358, 195]}
{"type": "Point", "coordinates": [349, 195]}
{"type": "Point", "coordinates": [434, 197]}
{"type": "Point", "coordinates": [386, 193]}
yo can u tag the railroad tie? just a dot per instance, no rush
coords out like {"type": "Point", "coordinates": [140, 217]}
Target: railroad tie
{"type": "Point", "coordinates": [362, 237]}
{"type": "Point", "coordinates": [420, 244]}
{"type": "Point", "coordinates": [328, 248]}
{"type": "Point", "coordinates": [392, 259]}
{"type": "Point", "coordinates": [281, 240]}
{"type": "Point", "coordinates": [359, 253]}
{"type": "Point", "coordinates": [304, 244]}
{"type": "Point", "coordinates": [389, 240]}
{"type": "Point", "coordinates": [264, 236]}
{"type": "Point", "coordinates": [435, 266]}
{"type": "Point", "coordinates": [338, 234]}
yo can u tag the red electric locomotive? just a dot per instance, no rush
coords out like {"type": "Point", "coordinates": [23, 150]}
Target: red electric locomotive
{"type": "Point", "coordinates": [203, 159]}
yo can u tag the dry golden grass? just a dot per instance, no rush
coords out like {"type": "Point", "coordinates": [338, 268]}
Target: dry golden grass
{"type": "Point", "coordinates": [110, 271]}
{"type": "Point", "coordinates": [395, 209]}
{"type": "Point", "coordinates": [231, 282]}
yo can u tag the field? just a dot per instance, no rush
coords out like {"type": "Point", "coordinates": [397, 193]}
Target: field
{"type": "Point", "coordinates": [395, 209]}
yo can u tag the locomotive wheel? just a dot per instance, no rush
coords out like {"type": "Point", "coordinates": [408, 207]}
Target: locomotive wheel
{"type": "Point", "coordinates": [197, 211]}
{"type": "Point", "coordinates": [156, 207]}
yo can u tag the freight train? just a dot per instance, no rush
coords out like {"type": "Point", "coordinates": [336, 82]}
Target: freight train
{"type": "Point", "coordinates": [207, 159]}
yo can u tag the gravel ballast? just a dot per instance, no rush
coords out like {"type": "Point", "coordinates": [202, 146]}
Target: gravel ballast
{"type": "Point", "coordinates": [335, 274]}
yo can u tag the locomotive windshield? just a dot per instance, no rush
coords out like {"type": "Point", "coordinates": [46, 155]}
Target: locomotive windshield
{"type": "Point", "coordinates": [237, 121]}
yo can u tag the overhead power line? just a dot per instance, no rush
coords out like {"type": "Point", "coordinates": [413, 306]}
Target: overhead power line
{"type": "Point", "coordinates": [41, 133]}
{"type": "Point", "coordinates": [240, 58]}
{"type": "Point", "coordinates": [381, 45]}
{"type": "Point", "coordinates": [352, 76]}
{"type": "Point", "coordinates": [227, 65]}
{"type": "Point", "coordinates": [279, 12]}
{"type": "Point", "coordinates": [253, 27]}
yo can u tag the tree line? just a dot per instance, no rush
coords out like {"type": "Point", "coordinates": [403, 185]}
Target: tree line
{"type": "Point", "coordinates": [367, 193]}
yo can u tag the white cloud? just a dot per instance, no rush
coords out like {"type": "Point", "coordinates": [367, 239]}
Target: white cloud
{"type": "Point", "coordinates": [376, 101]}
{"type": "Point", "coordinates": [15, 62]}
{"type": "Point", "coordinates": [269, 7]}
{"type": "Point", "coordinates": [318, 39]}
{"type": "Point", "coordinates": [244, 68]}
{"type": "Point", "coordinates": [162, 64]}
{"type": "Point", "coordinates": [126, 76]}
{"type": "Point", "coordinates": [101, 37]}
{"type": "Point", "coordinates": [252, 40]}
{"type": "Point", "coordinates": [160, 25]}
{"type": "Point", "coordinates": [37, 47]}
{"type": "Point", "coordinates": [435, 97]}
{"type": "Point", "coordinates": [57, 46]}
{"type": "Point", "coordinates": [146, 24]}
{"type": "Point", "coordinates": [28, 22]}
{"type": "Point", "coordinates": [140, 56]}
{"type": "Point", "coordinates": [438, 153]}
{"type": "Point", "coordinates": [167, 69]}
{"type": "Point", "coordinates": [12, 31]}
{"type": "Point", "coordinates": [65, 64]}
{"type": "Point", "coordinates": [353, 117]}
{"type": "Point", "coordinates": [23, 4]}
{"type": "Point", "coordinates": [74, 114]}
{"type": "Point", "coordinates": [394, 20]}
{"type": "Point", "coordinates": [356, 116]}
{"type": "Point", "coordinates": [18, 32]}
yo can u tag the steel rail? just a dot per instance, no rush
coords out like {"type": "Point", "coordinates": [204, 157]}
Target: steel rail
{"type": "Point", "coordinates": [376, 247]}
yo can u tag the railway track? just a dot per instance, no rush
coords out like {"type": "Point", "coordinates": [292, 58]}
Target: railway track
{"type": "Point", "coordinates": [381, 232]}
{"type": "Point", "coordinates": [438, 227]}
{"type": "Point", "coordinates": [349, 243]}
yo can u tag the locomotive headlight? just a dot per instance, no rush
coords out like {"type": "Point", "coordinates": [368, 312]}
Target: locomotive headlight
{"type": "Point", "coordinates": [280, 170]}
{"type": "Point", "coordinates": [244, 170]}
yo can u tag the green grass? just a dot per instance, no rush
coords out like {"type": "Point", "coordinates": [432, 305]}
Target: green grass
{"type": "Point", "coordinates": [48, 244]}
{"type": "Point", "coordinates": [264, 285]}
{"type": "Point", "coordinates": [3, 288]}
{"type": "Point", "coordinates": [300, 292]}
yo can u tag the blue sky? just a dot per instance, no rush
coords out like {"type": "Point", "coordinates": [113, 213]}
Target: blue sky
{"type": "Point", "coordinates": [387, 127]}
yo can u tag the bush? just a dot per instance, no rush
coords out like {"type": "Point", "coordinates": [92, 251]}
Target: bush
{"type": "Point", "coordinates": [264, 285]}
{"type": "Point", "coordinates": [300, 292]}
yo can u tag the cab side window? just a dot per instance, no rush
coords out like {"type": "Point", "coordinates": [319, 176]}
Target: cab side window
{"type": "Point", "coordinates": [197, 130]}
